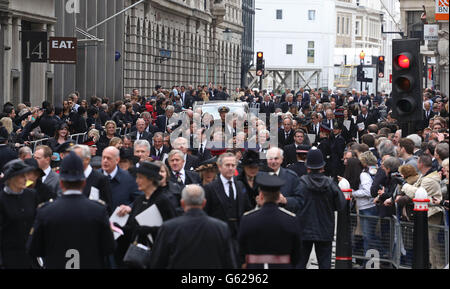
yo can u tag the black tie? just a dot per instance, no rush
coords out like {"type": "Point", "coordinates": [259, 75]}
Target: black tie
{"type": "Point", "coordinates": [157, 153]}
{"type": "Point", "coordinates": [201, 149]}
{"type": "Point", "coordinates": [109, 177]}
{"type": "Point", "coordinates": [231, 190]}
{"type": "Point", "coordinates": [140, 135]}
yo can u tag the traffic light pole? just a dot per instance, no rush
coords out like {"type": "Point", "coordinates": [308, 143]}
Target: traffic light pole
{"type": "Point", "coordinates": [260, 83]}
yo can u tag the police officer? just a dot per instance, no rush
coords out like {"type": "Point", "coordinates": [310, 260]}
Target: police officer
{"type": "Point", "coordinates": [269, 236]}
{"type": "Point", "coordinates": [299, 167]}
{"type": "Point", "coordinates": [321, 197]}
{"type": "Point", "coordinates": [73, 231]}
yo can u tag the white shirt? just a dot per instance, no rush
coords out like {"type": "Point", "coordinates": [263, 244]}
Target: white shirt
{"type": "Point", "coordinates": [72, 192]}
{"type": "Point", "coordinates": [182, 175]}
{"type": "Point", "coordinates": [277, 172]}
{"type": "Point", "coordinates": [226, 186]}
{"type": "Point", "coordinates": [112, 174]}
{"type": "Point", "coordinates": [46, 171]}
{"type": "Point", "coordinates": [87, 171]}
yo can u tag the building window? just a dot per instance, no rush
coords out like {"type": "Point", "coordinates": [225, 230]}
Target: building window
{"type": "Point", "coordinates": [311, 14]}
{"type": "Point", "coordinates": [414, 24]}
{"type": "Point", "coordinates": [357, 28]}
{"type": "Point", "coordinates": [338, 19]}
{"type": "Point", "coordinates": [310, 55]}
{"type": "Point", "coordinates": [279, 14]}
{"type": "Point", "coordinates": [347, 28]}
{"type": "Point", "coordinates": [343, 23]}
{"type": "Point", "coordinates": [288, 48]}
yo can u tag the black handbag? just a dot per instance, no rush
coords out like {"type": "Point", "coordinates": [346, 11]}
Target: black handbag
{"type": "Point", "coordinates": [136, 256]}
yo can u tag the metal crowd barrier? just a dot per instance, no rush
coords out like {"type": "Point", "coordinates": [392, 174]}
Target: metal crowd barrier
{"type": "Point", "coordinates": [79, 138]}
{"type": "Point", "coordinates": [391, 241]}
{"type": "Point", "coordinates": [35, 143]}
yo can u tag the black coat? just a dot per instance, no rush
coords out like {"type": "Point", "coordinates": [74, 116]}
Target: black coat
{"type": "Point", "coordinates": [299, 168]}
{"type": "Point", "coordinates": [193, 241]}
{"type": "Point", "coordinates": [269, 230]}
{"type": "Point", "coordinates": [165, 150]}
{"type": "Point", "coordinates": [337, 153]}
{"type": "Point", "coordinates": [321, 197]}
{"type": "Point", "coordinates": [191, 177]}
{"type": "Point", "coordinates": [290, 155]}
{"type": "Point", "coordinates": [72, 222]}
{"type": "Point", "coordinates": [100, 182]}
{"type": "Point", "coordinates": [145, 135]}
{"type": "Point", "coordinates": [217, 203]}
{"type": "Point", "coordinates": [17, 214]}
{"type": "Point", "coordinates": [282, 140]}
{"type": "Point", "coordinates": [48, 125]}
{"type": "Point", "coordinates": [8, 154]}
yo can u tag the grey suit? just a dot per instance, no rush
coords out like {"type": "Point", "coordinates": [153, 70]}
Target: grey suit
{"type": "Point", "coordinates": [52, 180]}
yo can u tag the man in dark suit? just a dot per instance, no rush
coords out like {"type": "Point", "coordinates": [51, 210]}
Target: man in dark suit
{"type": "Point", "coordinates": [267, 106]}
{"type": "Point", "coordinates": [97, 185]}
{"type": "Point", "coordinates": [337, 151]}
{"type": "Point", "coordinates": [203, 152]}
{"type": "Point", "coordinates": [290, 197]}
{"type": "Point", "coordinates": [286, 135]}
{"type": "Point", "coordinates": [288, 103]}
{"type": "Point", "coordinates": [186, 98]}
{"type": "Point", "coordinates": [314, 127]}
{"type": "Point", "coordinates": [366, 118]}
{"type": "Point", "coordinates": [123, 185]}
{"type": "Point", "coordinates": [329, 120]}
{"type": "Point", "coordinates": [299, 167]}
{"type": "Point", "coordinates": [159, 151]}
{"type": "Point", "coordinates": [290, 155]}
{"type": "Point", "coordinates": [72, 232]}
{"type": "Point", "coordinates": [43, 155]}
{"type": "Point", "coordinates": [178, 173]}
{"type": "Point", "coordinates": [178, 245]}
{"type": "Point", "coordinates": [164, 122]}
{"type": "Point", "coordinates": [428, 114]}
{"type": "Point", "coordinates": [140, 132]}
{"type": "Point", "coordinates": [226, 196]}
{"type": "Point", "coordinates": [190, 162]}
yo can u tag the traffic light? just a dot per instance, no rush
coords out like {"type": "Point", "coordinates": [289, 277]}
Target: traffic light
{"type": "Point", "coordinates": [380, 67]}
{"type": "Point", "coordinates": [406, 80]}
{"type": "Point", "coordinates": [259, 63]}
{"type": "Point", "coordinates": [359, 73]}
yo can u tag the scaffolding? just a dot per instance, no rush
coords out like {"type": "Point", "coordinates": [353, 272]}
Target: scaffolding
{"type": "Point", "coordinates": [345, 77]}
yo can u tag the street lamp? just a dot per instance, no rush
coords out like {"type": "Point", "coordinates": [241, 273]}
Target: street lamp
{"type": "Point", "coordinates": [227, 34]}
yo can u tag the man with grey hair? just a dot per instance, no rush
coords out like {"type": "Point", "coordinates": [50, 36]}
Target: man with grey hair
{"type": "Point", "coordinates": [417, 144]}
{"type": "Point", "coordinates": [194, 240]}
{"type": "Point", "coordinates": [25, 153]}
{"type": "Point", "coordinates": [191, 162]}
{"type": "Point", "coordinates": [164, 122]}
{"type": "Point", "coordinates": [97, 186]}
{"type": "Point", "coordinates": [290, 196]}
{"type": "Point", "coordinates": [178, 174]}
{"type": "Point", "coordinates": [141, 150]}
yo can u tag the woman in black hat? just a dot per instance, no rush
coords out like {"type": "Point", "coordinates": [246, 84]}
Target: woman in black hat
{"type": "Point", "coordinates": [61, 136]}
{"type": "Point", "coordinates": [170, 188]}
{"type": "Point", "coordinates": [208, 171]}
{"type": "Point", "coordinates": [250, 169]}
{"type": "Point", "coordinates": [148, 179]}
{"type": "Point", "coordinates": [34, 181]}
{"type": "Point", "coordinates": [17, 211]}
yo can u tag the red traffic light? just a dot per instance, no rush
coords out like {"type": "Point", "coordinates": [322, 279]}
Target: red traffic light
{"type": "Point", "coordinates": [381, 58]}
{"type": "Point", "coordinates": [403, 61]}
{"type": "Point", "coordinates": [259, 55]}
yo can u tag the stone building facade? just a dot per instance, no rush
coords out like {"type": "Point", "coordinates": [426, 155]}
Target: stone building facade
{"type": "Point", "coordinates": [193, 32]}
{"type": "Point", "coordinates": [20, 82]}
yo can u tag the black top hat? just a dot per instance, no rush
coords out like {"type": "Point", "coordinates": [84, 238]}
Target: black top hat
{"type": "Point", "coordinates": [303, 149]}
{"type": "Point", "coordinates": [207, 164]}
{"type": "Point", "coordinates": [269, 183]}
{"type": "Point", "coordinates": [150, 170]}
{"type": "Point", "coordinates": [71, 169]}
{"type": "Point", "coordinates": [250, 158]}
{"type": "Point", "coordinates": [34, 164]}
{"type": "Point", "coordinates": [14, 168]}
{"type": "Point", "coordinates": [65, 147]}
{"type": "Point", "coordinates": [314, 159]}
{"type": "Point", "coordinates": [224, 109]}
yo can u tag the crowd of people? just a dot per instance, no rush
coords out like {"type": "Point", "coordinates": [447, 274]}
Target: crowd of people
{"type": "Point", "coordinates": [212, 196]}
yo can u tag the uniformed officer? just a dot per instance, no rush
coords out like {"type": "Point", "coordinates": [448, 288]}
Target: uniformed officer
{"type": "Point", "coordinates": [73, 232]}
{"type": "Point", "coordinates": [299, 167]}
{"type": "Point", "coordinates": [269, 236]}
{"type": "Point", "coordinates": [324, 145]}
